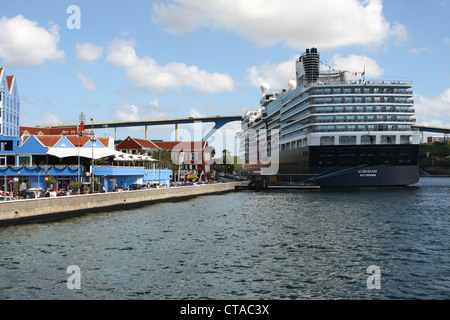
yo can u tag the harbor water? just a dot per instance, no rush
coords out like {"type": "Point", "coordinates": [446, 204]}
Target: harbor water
{"type": "Point", "coordinates": [274, 244]}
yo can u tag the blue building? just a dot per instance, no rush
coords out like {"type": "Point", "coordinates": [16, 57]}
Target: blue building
{"type": "Point", "coordinates": [56, 161]}
{"type": "Point", "coordinates": [9, 105]}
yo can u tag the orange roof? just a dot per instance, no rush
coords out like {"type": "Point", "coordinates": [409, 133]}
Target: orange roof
{"type": "Point", "coordinates": [77, 141]}
{"type": "Point", "coordinates": [48, 141]}
{"type": "Point", "coordinates": [104, 141]}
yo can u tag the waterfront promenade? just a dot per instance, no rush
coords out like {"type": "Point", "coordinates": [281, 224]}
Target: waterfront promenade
{"type": "Point", "coordinates": [47, 209]}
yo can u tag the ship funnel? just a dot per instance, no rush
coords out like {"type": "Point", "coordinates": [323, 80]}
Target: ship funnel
{"type": "Point", "coordinates": [308, 67]}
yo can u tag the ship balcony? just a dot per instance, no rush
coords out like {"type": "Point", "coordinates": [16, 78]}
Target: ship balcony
{"type": "Point", "coordinates": [366, 84]}
{"type": "Point", "coordinates": [364, 100]}
{"type": "Point", "coordinates": [364, 109]}
{"type": "Point", "coordinates": [342, 124]}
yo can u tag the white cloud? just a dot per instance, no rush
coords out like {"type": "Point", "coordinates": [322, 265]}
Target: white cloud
{"type": "Point", "coordinates": [299, 24]}
{"type": "Point", "coordinates": [279, 75]}
{"type": "Point", "coordinates": [276, 75]}
{"type": "Point", "coordinates": [151, 77]}
{"type": "Point", "coordinates": [130, 112]}
{"type": "Point", "coordinates": [420, 50]}
{"type": "Point", "coordinates": [86, 82]}
{"type": "Point", "coordinates": [126, 112]}
{"type": "Point", "coordinates": [433, 112]}
{"type": "Point", "coordinates": [357, 64]}
{"type": "Point", "coordinates": [88, 51]}
{"type": "Point", "coordinates": [48, 119]}
{"type": "Point", "coordinates": [194, 113]}
{"type": "Point", "coordinates": [399, 33]}
{"type": "Point", "coordinates": [23, 43]}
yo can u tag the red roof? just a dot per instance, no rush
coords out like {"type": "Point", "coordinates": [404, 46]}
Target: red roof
{"type": "Point", "coordinates": [47, 131]}
{"type": "Point", "coordinates": [145, 143]}
{"type": "Point", "coordinates": [10, 80]}
{"type": "Point", "coordinates": [182, 145]}
{"type": "Point", "coordinates": [134, 143]}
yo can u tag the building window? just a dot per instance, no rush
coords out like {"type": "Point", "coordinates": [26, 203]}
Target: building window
{"type": "Point", "coordinates": [24, 161]}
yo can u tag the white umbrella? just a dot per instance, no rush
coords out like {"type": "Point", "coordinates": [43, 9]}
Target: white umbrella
{"type": "Point", "coordinates": [96, 153]}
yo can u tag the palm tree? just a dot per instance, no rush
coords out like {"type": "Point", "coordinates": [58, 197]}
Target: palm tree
{"type": "Point", "coordinates": [163, 157]}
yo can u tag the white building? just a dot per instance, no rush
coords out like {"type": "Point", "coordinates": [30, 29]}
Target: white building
{"type": "Point", "coordinates": [9, 105]}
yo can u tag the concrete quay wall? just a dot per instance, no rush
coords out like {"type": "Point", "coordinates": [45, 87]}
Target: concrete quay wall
{"type": "Point", "coordinates": [48, 209]}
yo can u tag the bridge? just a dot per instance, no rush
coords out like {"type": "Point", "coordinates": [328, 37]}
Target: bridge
{"type": "Point", "coordinates": [432, 129]}
{"type": "Point", "coordinates": [219, 121]}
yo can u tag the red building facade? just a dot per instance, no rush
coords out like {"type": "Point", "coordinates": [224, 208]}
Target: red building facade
{"type": "Point", "coordinates": [193, 156]}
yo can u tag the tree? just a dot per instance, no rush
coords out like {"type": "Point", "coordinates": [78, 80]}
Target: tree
{"type": "Point", "coordinates": [163, 157]}
{"type": "Point", "coordinates": [227, 161]}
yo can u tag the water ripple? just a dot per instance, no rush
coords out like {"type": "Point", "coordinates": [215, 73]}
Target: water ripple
{"type": "Point", "coordinates": [246, 245]}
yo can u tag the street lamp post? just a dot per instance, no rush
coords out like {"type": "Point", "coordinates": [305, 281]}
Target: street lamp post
{"type": "Point", "coordinates": [93, 139]}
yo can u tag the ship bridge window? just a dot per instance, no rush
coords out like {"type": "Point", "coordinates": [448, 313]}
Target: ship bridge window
{"type": "Point", "coordinates": [326, 140]}
{"type": "Point", "coordinates": [347, 140]}
{"type": "Point", "coordinates": [387, 140]}
{"type": "Point", "coordinates": [368, 139]}
{"type": "Point", "coordinates": [405, 139]}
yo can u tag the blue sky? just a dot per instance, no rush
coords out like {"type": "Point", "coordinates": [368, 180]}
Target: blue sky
{"type": "Point", "coordinates": [140, 60]}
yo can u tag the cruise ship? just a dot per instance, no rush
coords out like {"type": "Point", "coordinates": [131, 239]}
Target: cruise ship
{"type": "Point", "coordinates": [328, 129]}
